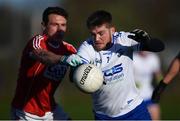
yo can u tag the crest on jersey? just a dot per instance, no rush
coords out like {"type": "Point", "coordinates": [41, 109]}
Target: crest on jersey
{"type": "Point", "coordinates": [55, 72]}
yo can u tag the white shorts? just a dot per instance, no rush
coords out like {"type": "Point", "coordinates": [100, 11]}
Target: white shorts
{"type": "Point", "coordinates": [57, 114]}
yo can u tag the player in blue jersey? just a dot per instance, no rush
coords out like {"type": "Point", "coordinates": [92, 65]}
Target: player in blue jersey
{"type": "Point", "coordinates": [112, 52]}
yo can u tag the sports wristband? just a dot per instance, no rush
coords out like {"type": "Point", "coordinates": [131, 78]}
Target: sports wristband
{"type": "Point", "coordinates": [161, 87]}
{"type": "Point", "coordinates": [157, 92]}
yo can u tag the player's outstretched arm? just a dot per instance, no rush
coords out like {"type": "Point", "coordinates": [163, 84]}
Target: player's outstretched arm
{"type": "Point", "coordinates": [146, 42]}
{"type": "Point", "coordinates": [158, 91]}
{"type": "Point", "coordinates": [173, 70]}
{"type": "Point", "coordinates": [46, 57]}
{"type": "Point", "coordinates": [50, 58]}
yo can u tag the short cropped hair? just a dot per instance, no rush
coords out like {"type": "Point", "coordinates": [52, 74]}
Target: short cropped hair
{"type": "Point", "coordinates": [98, 18]}
{"type": "Point", "coordinates": [53, 10]}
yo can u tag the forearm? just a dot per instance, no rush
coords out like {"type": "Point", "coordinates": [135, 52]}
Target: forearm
{"type": "Point", "coordinates": [168, 78]}
{"type": "Point", "coordinates": [153, 45]}
{"type": "Point", "coordinates": [158, 91]}
{"type": "Point", "coordinates": [172, 71]}
{"type": "Point", "coordinates": [146, 42]}
{"type": "Point", "coordinates": [174, 68]}
{"type": "Point", "coordinates": [46, 57]}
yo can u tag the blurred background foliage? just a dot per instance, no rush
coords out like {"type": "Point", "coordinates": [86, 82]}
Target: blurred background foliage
{"type": "Point", "coordinates": [21, 19]}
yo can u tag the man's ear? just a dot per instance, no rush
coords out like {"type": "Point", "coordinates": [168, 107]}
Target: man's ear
{"type": "Point", "coordinates": [113, 29]}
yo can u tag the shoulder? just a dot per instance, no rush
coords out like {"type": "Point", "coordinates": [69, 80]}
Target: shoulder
{"type": "Point", "coordinates": [88, 41]}
{"type": "Point", "coordinates": [69, 47]}
{"type": "Point", "coordinates": [153, 55]}
{"type": "Point", "coordinates": [121, 34]}
{"type": "Point", "coordinates": [86, 46]}
{"type": "Point", "coordinates": [122, 38]}
{"type": "Point", "coordinates": [38, 37]}
{"type": "Point", "coordinates": [37, 41]}
{"type": "Point", "coordinates": [154, 59]}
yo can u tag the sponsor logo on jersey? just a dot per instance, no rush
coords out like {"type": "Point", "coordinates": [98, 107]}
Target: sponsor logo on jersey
{"type": "Point", "coordinates": [116, 69]}
{"type": "Point", "coordinates": [114, 74]}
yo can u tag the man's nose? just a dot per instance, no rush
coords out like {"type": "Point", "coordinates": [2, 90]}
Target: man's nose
{"type": "Point", "coordinates": [97, 37]}
{"type": "Point", "coordinates": [59, 28]}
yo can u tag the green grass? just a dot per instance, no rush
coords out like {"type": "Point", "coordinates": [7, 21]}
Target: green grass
{"type": "Point", "coordinates": [5, 107]}
{"type": "Point", "coordinates": [170, 106]}
{"type": "Point", "coordinates": [79, 105]}
{"type": "Point", "coordinates": [76, 103]}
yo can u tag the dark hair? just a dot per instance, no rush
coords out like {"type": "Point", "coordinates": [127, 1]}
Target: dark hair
{"type": "Point", "coordinates": [98, 18]}
{"type": "Point", "coordinates": [53, 10]}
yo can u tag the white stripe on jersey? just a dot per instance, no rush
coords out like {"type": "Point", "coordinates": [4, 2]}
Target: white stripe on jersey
{"type": "Point", "coordinates": [37, 42]}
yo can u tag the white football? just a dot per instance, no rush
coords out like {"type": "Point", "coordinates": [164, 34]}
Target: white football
{"type": "Point", "coordinates": [88, 78]}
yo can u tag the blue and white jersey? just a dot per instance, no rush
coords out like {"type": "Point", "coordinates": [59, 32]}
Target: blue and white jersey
{"type": "Point", "coordinates": [119, 94]}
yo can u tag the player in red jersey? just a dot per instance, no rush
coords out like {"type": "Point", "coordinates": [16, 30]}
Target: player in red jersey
{"type": "Point", "coordinates": [38, 78]}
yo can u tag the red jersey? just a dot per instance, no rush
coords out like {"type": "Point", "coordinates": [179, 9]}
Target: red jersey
{"type": "Point", "coordinates": [37, 82]}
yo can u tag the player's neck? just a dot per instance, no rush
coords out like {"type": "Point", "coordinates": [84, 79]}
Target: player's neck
{"type": "Point", "coordinates": [109, 45]}
{"type": "Point", "coordinates": [54, 44]}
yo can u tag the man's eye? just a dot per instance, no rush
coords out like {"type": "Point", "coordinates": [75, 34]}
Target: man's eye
{"type": "Point", "coordinates": [54, 24]}
{"type": "Point", "coordinates": [101, 33]}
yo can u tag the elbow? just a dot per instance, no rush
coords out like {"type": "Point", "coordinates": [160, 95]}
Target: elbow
{"type": "Point", "coordinates": [154, 45]}
{"type": "Point", "coordinates": [159, 46]}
